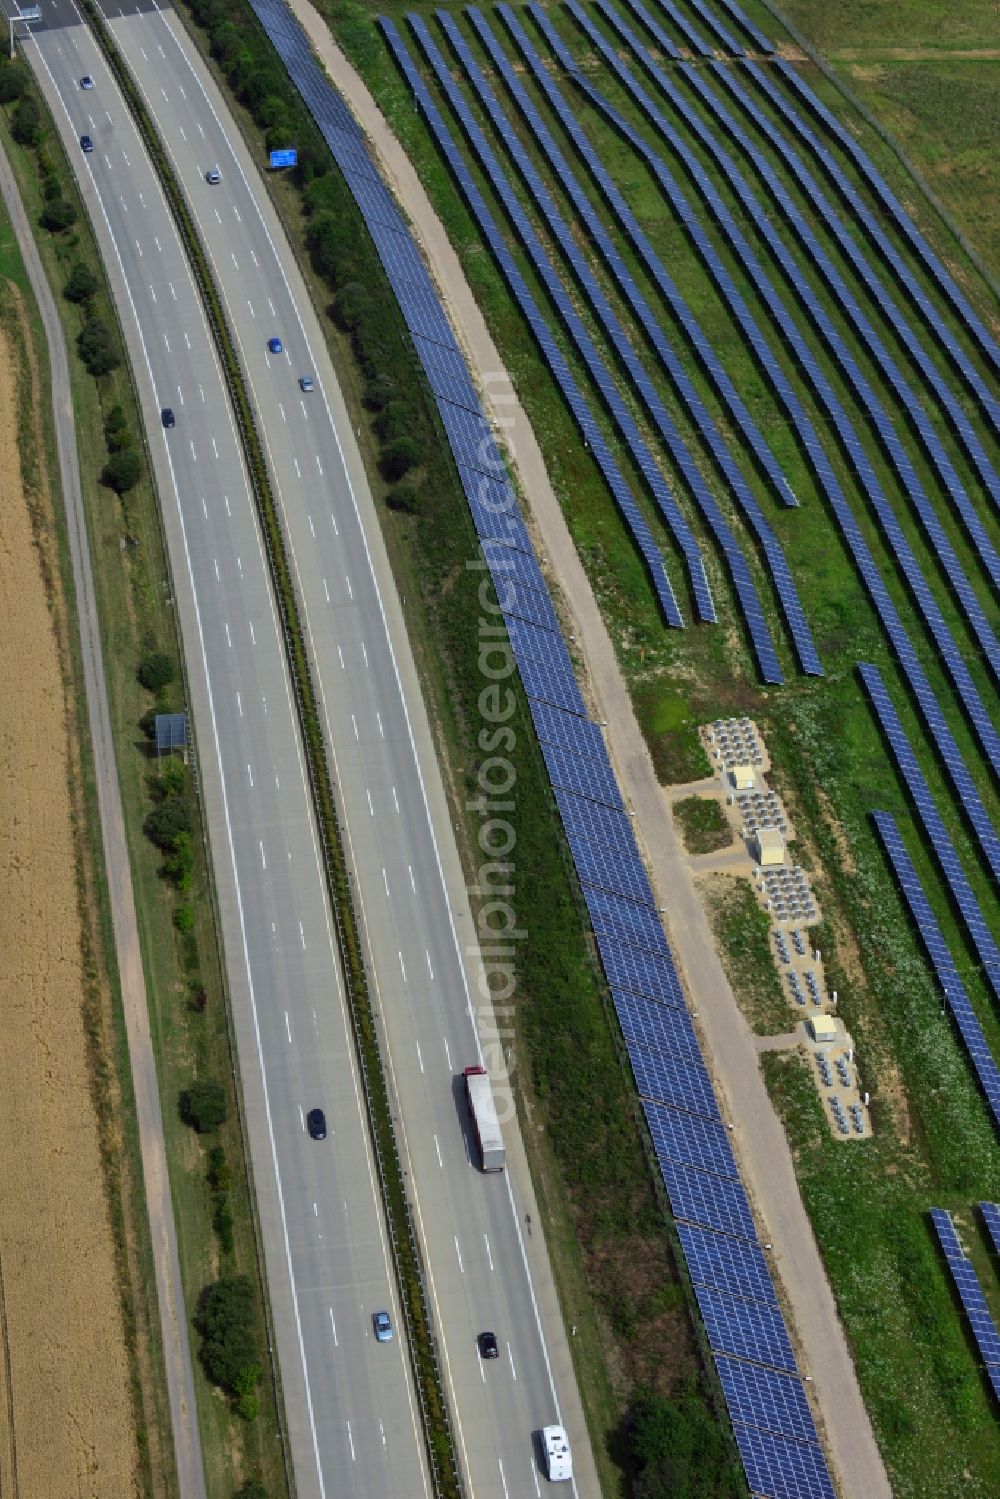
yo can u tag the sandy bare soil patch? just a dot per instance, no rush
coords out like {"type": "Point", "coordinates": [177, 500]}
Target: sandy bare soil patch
{"type": "Point", "coordinates": [64, 1378]}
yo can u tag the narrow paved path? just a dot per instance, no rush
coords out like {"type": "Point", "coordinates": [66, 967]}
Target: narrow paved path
{"type": "Point", "coordinates": [177, 1349]}
{"type": "Point", "coordinates": [765, 1156]}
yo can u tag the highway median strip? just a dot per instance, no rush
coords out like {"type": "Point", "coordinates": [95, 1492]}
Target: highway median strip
{"type": "Point", "coordinates": [406, 1255]}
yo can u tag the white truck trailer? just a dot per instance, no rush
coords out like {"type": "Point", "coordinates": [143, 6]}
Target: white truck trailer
{"type": "Point", "coordinates": [484, 1118]}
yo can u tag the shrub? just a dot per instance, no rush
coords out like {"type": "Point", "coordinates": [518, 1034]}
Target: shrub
{"type": "Point", "coordinates": [80, 287]}
{"type": "Point", "coordinates": [147, 723]}
{"type": "Point", "coordinates": [379, 390]}
{"type": "Point", "coordinates": [96, 344]}
{"type": "Point", "coordinates": [225, 1321]}
{"type": "Point", "coordinates": [204, 1106]}
{"type": "Point", "coordinates": [218, 1169]}
{"type": "Point", "coordinates": [250, 1488]}
{"type": "Point", "coordinates": [184, 915]}
{"type": "Point", "coordinates": [400, 456]}
{"type": "Point", "coordinates": [167, 822]}
{"type": "Point", "coordinates": [179, 867]}
{"type": "Point", "coordinates": [56, 216]}
{"type": "Point", "coordinates": [406, 495]}
{"type": "Point", "coordinates": [222, 1222]}
{"type": "Point", "coordinates": [122, 470]}
{"type": "Point", "coordinates": [172, 780]}
{"type": "Point", "coordinates": [156, 670]}
{"type": "Point", "coordinates": [27, 121]}
{"type": "Point", "coordinates": [13, 83]}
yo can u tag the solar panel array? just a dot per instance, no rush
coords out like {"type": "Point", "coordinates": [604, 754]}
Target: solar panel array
{"type": "Point", "coordinates": [983, 1061]}
{"type": "Point", "coordinates": [735, 481]}
{"type": "Point", "coordinates": [759, 40]}
{"type": "Point", "coordinates": [945, 398]}
{"type": "Point", "coordinates": [956, 415]}
{"type": "Point", "coordinates": [852, 445]}
{"type": "Point", "coordinates": [937, 834]}
{"type": "Point", "coordinates": [970, 1293]}
{"type": "Point", "coordinates": [585, 215]}
{"type": "Point", "coordinates": [987, 344]}
{"type": "Point", "coordinates": [991, 1217]}
{"type": "Point", "coordinates": [745, 588]}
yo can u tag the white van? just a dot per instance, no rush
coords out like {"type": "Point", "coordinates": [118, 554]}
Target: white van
{"type": "Point", "coordinates": [558, 1458]}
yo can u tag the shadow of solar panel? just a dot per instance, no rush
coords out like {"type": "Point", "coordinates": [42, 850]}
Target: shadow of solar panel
{"type": "Point", "coordinates": [560, 691]}
{"type": "Point", "coordinates": [773, 1401]}
{"type": "Point", "coordinates": [991, 1217]}
{"type": "Point", "coordinates": [709, 1201]}
{"type": "Point", "coordinates": [666, 1078]}
{"type": "Point", "coordinates": [639, 972]}
{"type": "Point", "coordinates": [689, 1139]}
{"type": "Point", "coordinates": [656, 1027]}
{"type": "Point", "coordinates": [733, 1265]}
{"type": "Point", "coordinates": [745, 1329]}
{"type": "Point", "coordinates": [783, 1469]}
{"type": "Point", "coordinates": [608, 869]}
{"type": "Point", "coordinates": [580, 737]}
{"type": "Point", "coordinates": [635, 925]}
{"type": "Point", "coordinates": [585, 777]}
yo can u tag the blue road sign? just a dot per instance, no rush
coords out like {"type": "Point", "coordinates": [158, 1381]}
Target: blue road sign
{"type": "Point", "coordinates": [287, 158]}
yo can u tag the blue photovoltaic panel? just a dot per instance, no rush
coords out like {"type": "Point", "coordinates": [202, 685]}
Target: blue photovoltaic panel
{"type": "Point", "coordinates": [851, 443]}
{"type": "Point", "coordinates": [608, 869]}
{"type": "Point", "coordinates": [515, 597]}
{"type": "Point", "coordinates": [588, 219]}
{"type": "Point", "coordinates": [535, 644]}
{"type": "Point", "coordinates": [942, 961]}
{"type": "Point", "coordinates": [710, 1201]}
{"type": "Point", "coordinates": [511, 562]}
{"type": "Point", "coordinates": [599, 823]}
{"type": "Point", "coordinates": [568, 732]}
{"type": "Point", "coordinates": [585, 777]}
{"type": "Point", "coordinates": [760, 41]}
{"type": "Point", "coordinates": [665, 1077]}
{"type": "Point", "coordinates": [690, 1139]}
{"type": "Point", "coordinates": [944, 850]}
{"type": "Point", "coordinates": [715, 1259]}
{"type": "Point", "coordinates": [637, 926]}
{"type": "Point", "coordinates": [640, 972]}
{"type": "Point", "coordinates": [746, 1329]}
{"type": "Point", "coordinates": [969, 1290]}
{"type": "Point", "coordinates": [991, 1217]}
{"type": "Point", "coordinates": [559, 689]}
{"type": "Point", "coordinates": [656, 1027]}
{"type": "Point", "coordinates": [761, 1397]}
{"type": "Point", "coordinates": [783, 1469]}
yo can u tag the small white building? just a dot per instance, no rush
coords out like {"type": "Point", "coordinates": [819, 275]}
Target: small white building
{"type": "Point", "coordinates": [770, 847]}
{"type": "Point", "coordinates": [824, 1028]}
{"type": "Point", "coordinates": [742, 777]}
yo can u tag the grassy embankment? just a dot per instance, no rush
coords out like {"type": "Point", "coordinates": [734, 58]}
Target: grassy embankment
{"type": "Point", "coordinates": [190, 1037]}
{"type": "Point", "coordinates": [831, 766]}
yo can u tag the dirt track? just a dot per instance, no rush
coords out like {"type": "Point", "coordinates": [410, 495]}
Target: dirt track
{"type": "Point", "coordinates": [64, 1378]}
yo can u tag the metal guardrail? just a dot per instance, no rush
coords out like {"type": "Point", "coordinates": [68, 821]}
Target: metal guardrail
{"type": "Point", "coordinates": [407, 1260]}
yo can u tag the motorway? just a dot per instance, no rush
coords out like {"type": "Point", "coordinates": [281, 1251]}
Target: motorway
{"type": "Point", "coordinates": [351, 1409]}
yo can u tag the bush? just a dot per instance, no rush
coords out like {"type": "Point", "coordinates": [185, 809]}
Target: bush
{"type": "Point", "coordinates": [222, 1222]}
{"type": "Point", "coordinates": [96, 344]}
{"type": "Point", "coordinates": [80, 287]}
{"type": "Point", "coordinates": [406, 495]}
{"type": "Point", "coordinates": [27, 122]}
{"type": "Point", "coordinates": [167, 822]}
{"type": "Point", "coordinates": [13, 83]}
{"type": "Point", "coordinates": [122, 471]}
{"type": "Point", "coordinates": [178, 866]}
{"type": "Point", "coordinates": [250, 1488]}
{"type": "Point", "coordinates": [147, 723]}
{"type": "Point", "coordinates": [156, 670]}
{"type": "Point", "coordinates": [400, 456]}
{"type": "Point", "coordinates": [217, 1174]}
{"type": "Point", "coordinates": [204, 1106]}
{"type": "Point", "coordinates": [56, 216]}
{"type": "Point", "coordinates": [677, 1451]}
{"type": "Point", "coordinates": [172, 780]}
{"type": "Point", "coordinates": [379, 391]}
{"type": "Point", "coordinates": [184, 915]}
{"type": "Point", "coordinates": [225, 1319]}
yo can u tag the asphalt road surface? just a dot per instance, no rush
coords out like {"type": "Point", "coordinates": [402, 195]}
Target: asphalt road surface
{"type": "Point", "coordinates": [349, 1400]}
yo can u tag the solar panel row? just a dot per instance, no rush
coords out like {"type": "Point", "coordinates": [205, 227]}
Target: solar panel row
{"type": "Point", "coordinates": [758, 38]}
{"type": "Point", "coordinates": [852, 445]}
{"type": "Point", "coordinates": [944, 850]}
{"type": "Point", "coordinates": [714, 1217]}
{"type": "Point", "coordinates": [586, 216]}
{"type": "Point", "coordinates": [585, 420]}
{"type": "Point", "coordinates": [991, 1217]}
{"type": "Point", "coordinates": [932, 265]}
{"type": "Point", "coordinates": [942, 961]}
{"type": "Point", "coordinates": [696, 337]}
{"type": "Point", "coordinates": [970, 1292]}
{"type": "Point", "coordinates": [723, 37]}
{"type": "Point", "coordinates": [928, 368]}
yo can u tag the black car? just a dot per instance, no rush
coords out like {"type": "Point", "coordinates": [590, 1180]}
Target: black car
{"type": "Point", "coordinates": [167, 417]}
{"type": "Point", "coordinates": [316, 1124]}
{"type": "Point", "coordinates": [86, 144]}
{"type": "Point", "coordinates": [488, 1346]}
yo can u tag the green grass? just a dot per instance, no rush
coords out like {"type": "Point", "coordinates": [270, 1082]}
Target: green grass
{"type": "Point", "coordinates": [703, 824]}
{"type": "Point", "coordinates": [892, 23]}
{"type": "Point", "coordinates": [742, 931]}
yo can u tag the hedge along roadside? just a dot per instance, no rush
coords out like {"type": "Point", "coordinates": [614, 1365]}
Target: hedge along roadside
{"type": "Point", "coordinates": [406, 1256]}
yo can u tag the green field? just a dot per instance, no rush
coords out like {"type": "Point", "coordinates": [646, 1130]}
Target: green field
{"type": "Point", "coordinates": [934, 1141]}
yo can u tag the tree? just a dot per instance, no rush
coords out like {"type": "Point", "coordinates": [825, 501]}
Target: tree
{"type": "Point", "coordinates": [56, 216]}
{"type": "Point", "coordinates": [122, 470]}
{"type": "Point", "coordinates": [225, 1319]}
{"type": "Point", "coordinates": [167, 822]}
{"type": "Point", "coordinates": [80, 287]}
{"type": "Point", "coordinates": [399, 457]}
{"type": "Point", "coordinates": [27, 121]}
{"type": "Point", "coordinates": [204, 1106]}
{"type": "Point", "coordinates": [156, 670]}
{"type": "Point", "coordinates": [12, 83]}
{"type": "Point", "coordinates": [96, 344]}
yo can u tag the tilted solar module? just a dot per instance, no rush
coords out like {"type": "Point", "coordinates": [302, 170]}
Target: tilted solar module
{"type": "Point", "coordinates": [656, 1027]}
{"type": "Point", "coordinates": [624, 920]}
{"type": "Point", "coordinates": [709, 1201]}
{"type": "Point", "coordinates": [665, 1077]}
{"type": "Point", "coordinates": [599, 823]}
{"type": "Point", "coordinates": [780, 1468]}
{"type": "Point", "coordinates": [568, 732]}
{"type": "Point", "coordinates": [758, 38]}
{"type": "Point", "coordinates": [585, 777]}
{"type": "Point", "coordinates": [613, 870]}
{"type": "Point", "coordinates": [561, 691]}
{"type": "Point", "coordinates": [763, 1397]}
{"type": "Point", "coordinates": [970, 1292]}
{"type": "Point", "coordinates": [818, 315]}
{"type": "Point", "coordinates": [689, 1139]}
{"type": "Point", "coordinates": [991, 1217]}
{"type": "Point", "coordinates": [745, 1329]}
{"type": "Point", "coordinates": [586, 217]}
{"type": "Point", "coordinates": [942, 961]}
{"type": "Point", "coordinates": [944, 850]}
{"type": "Point", "coordinates": [726, 38]}
{"type": "Point", "coordinates": [716, 1259]}
{"type": "Point", "coordinates": [639, 972]}
{"type": "Point", "coordinates": [674, 442]}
